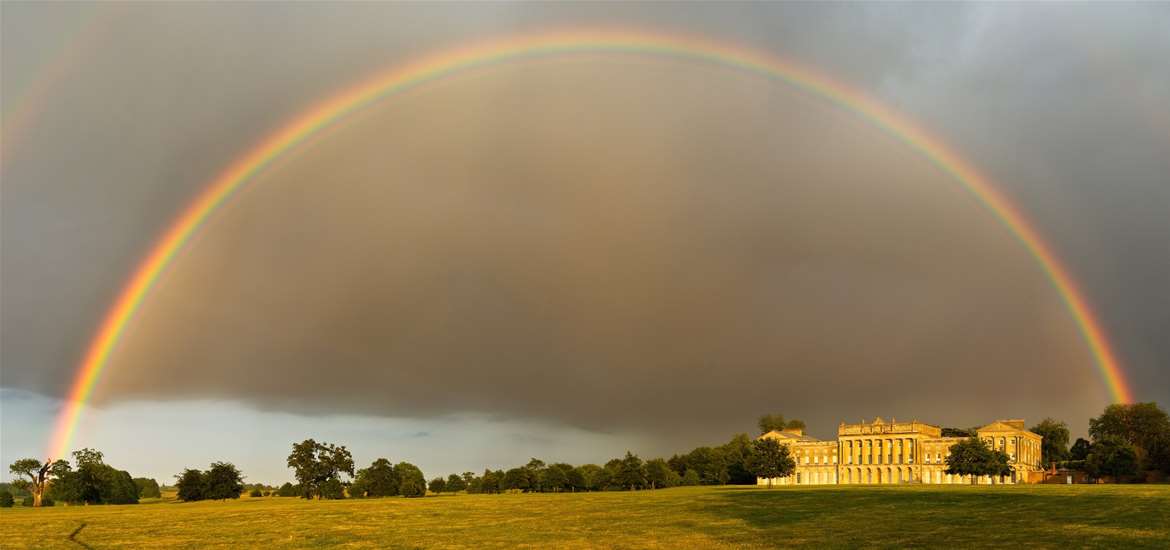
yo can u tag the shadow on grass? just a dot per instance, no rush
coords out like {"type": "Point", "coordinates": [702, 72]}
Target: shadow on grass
{"type": "Point", "coordinates": [927, 516]}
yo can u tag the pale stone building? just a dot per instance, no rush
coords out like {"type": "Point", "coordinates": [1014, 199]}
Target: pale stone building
{"type": "Point", "coordinates": [881, 452]}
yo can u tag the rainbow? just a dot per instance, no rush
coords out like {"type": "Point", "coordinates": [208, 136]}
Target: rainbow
{"type": "Point", "coordinates": [33, 99]}
{"type": "Point", "coordinates": [338, 107]}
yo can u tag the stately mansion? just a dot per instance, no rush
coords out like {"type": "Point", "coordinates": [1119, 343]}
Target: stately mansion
{"type": "Point", "coordinates": [900, 452]}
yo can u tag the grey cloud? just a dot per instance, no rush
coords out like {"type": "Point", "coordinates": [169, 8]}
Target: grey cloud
{"type": "Point", "coordinates": [610, 243]}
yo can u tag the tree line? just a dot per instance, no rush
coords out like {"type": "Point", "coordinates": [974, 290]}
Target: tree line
{"type": "Point", "coordinates": [326, 471]}
{"type": "Point", "coordinates": [91, 482]}
{"type": "Point", "coordinates": [1127, 442]}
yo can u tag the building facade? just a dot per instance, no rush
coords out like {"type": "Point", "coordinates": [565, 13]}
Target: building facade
{"type": "Point", "coordinates": [881, 452]}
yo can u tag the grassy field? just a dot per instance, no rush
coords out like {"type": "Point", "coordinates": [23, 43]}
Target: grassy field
{"type": "Point", "coordinates": [1050, 516]}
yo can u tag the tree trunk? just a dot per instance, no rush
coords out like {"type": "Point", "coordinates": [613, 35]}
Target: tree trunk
{"type": "Point", "coordinates": [37, 498]}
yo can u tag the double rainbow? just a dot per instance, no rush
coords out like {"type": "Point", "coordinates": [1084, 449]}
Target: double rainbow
{"type": "Point", "coordinates": [336, 108]}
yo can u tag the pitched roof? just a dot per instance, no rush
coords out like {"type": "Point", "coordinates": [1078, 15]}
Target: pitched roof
{"type": "Point", "coordinates": [788, 436]}
{"type": "Point", "coordinates": [1005, 426]}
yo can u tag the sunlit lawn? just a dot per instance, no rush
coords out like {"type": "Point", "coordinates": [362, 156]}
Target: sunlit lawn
{"type": "Point", "coordinates": [1115, 516]}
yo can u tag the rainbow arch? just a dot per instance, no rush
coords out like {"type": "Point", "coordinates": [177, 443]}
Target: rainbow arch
{"type": "Point", "coordinates": [336, 108]}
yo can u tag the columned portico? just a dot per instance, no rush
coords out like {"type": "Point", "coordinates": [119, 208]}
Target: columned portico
{"type": "Point", "coordinates": [899, 452]}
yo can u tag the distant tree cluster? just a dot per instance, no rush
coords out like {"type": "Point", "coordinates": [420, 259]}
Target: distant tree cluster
{"type": "Point", "coordinates": [288, 490]}
{"type": "Point", "coordinates": [776, 422]}
{"type": "Point", "coordinates": [256, 490]}
{"type": "Point", "coordinates": [383, 479]}
{"type": "Point", "coordinates": [93, 482]}
{"type": "Point", "coordinates": [738, 461]}
{"type": "Point", "coordinates": [221, 481]}
{"type": "Point", "coordinates": [627, 473]}
{"type": "Point", "coordinates": [1126, 441]}
{"type": "Point", "coordinates": [147, 488]}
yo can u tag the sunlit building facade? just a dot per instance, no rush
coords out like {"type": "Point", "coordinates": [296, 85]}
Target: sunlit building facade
{"type": "Point", "coordinates": [881, 452]}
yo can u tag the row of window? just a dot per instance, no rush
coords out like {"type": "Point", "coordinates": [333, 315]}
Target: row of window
{"type": "Point", "coordinates": [887, 459]}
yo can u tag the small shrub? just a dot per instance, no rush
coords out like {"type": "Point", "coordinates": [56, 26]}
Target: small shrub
{"type": "Point", "coordinates": [6, 500]}
{"type": "Point", "coordinates": [256, 493]}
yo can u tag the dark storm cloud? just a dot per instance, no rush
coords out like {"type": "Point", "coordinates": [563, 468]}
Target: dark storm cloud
{"type": "Point", "coordinates": [680, 271]}
{"type": "Point", "coordinates": [534, 241]}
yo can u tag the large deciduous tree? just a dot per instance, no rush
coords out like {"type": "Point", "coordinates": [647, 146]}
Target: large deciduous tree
{"type": "Point", "coordinates": [1145, 426]}
{"type": "Point", "coordinates": [1054, 446]}
{"type": "Point", "coordinates": [973, 457]}
{"type": "Point", "coordinates": [736, 454]}
{"type": "Point", "coordinates": [710, 463]}
{"type": "Point", "coordinates": [591, 476]}
{"type": "Point", "coordinates": [535, 470]}
{"type": "Point", "coordinates": [632, 472]}
{"type": "Point", "coordinates": [490, 481]}
{"type": "Point", "coordinates": [93, 482]}
{"type": "Point", "coordinates": [555, 477]}
{"type": "Point", "coordinates": [1080, 449]}
{"type": "Point", "coordinates": [318, 467]}
{"type": "Point", "coordinates": [456, 483]}
{"type": "Point", "coordinates": [223, 481]}
{"type": "Point", "coordinates": [515, 479]}
{"type": "Point", "coordinates": [1113, 457]}
{"type": "Point", "coordinates": [38, 474]}
{"type": "Point", "coordinates": [769, 422]}
{"type": "Point", "coordinates": [411, 483]}
{"type": "Point", "coordinates": [192, 485]}
{"type": "Point", "coordinates": [379, 479]}
{"type": "Point", "coordinates": [659, 475]}
{"type": "Point", "coordinates": [147, 488]}
{"type": "Point", "coordinates": [769, 459]}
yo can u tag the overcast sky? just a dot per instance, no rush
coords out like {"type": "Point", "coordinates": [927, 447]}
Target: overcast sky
{"type": "Point", "coordinates": [571, 257]}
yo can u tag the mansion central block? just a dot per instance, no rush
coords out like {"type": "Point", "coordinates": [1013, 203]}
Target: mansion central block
{"type": "Point", "coordinates": [900, 452]}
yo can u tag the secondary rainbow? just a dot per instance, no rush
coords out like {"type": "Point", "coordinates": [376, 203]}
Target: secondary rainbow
{"type": "Point", "coordinates": [336, 108]}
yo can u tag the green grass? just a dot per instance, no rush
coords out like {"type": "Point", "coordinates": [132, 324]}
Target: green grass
{"type": "Point", "coordinates": [1051, 516]}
